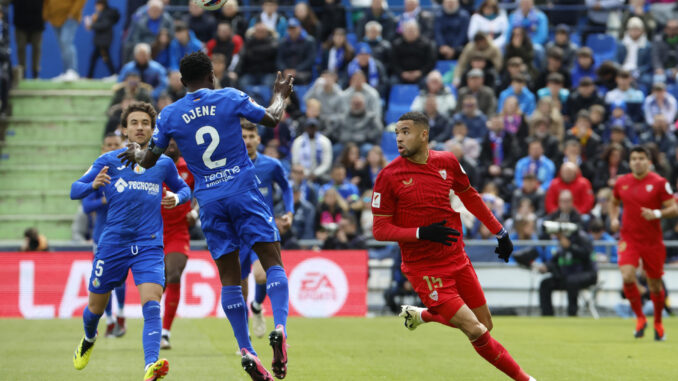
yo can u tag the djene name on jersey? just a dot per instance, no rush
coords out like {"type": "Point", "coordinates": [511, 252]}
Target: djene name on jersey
{"type": "Point", "coordinates": [198, 112]}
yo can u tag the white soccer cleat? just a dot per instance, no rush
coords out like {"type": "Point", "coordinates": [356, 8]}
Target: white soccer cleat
{"type": "Point", "coordinates": [532, 378]}
{"type": "Point", "coordinates": [412, 316]}
{"type": "Point", "coordinates": [258, 323]}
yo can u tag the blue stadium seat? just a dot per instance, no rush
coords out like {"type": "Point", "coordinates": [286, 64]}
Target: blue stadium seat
{"type": "Point", "coordinates": [260, 93]}
{"type": "Point", "coordinates": [388, 145]}
{"type": "Point", "coordinates": [393, 114]}
{"type": "Point", "coordinates": [352, 39]}
{"type": "Point", "coordinates": [604, 47]}
{"type": "Point", "coordinates": [673, 90]}
{"type": "Point", "coordinates": [402, 95]}
{"type": "Point", "coordinates": [301, 90]}
{"type": "Point", "coordinates": [445, 66]}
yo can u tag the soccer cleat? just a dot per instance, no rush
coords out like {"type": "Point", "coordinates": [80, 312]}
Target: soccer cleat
{"type": "Point", "coordinates": [659, 334]}
{"type": "Point", "coordinates": [278, 341]}
{"type": "Point", "coordinates": [253, 367]}
{"type": "Point", "coordinates": [120, 327]}
{"type": "Point", "coordinates": [412, 316]}
{"type": "Point", "coordinates": [258, 322]}
{"type": "Point", "coordinates": [157, 371]}
{"type": "Point", "coordinates": [165, 342]}
{"type": "Point", "coordinates": [110, 329]}
{"type": "Point", "coordinates": [82, 353]}
{"type": "Point", "coordinates": [532, 379]}
{"type": "Point", "coordinates": [641, 324]}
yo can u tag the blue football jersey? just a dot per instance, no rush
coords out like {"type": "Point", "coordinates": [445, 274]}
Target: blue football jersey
{"type": "Point", "coordinates": [206, 127]}
{"type": "Point", "coordinates": [93, 203]}
{"type": "Point", "coordinates": [133, 197]}
{"type": "Point", "coordinates": [269, 171]}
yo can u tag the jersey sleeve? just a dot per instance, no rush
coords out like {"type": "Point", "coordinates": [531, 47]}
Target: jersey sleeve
{"type": "Point", "coordinates": [248, 108]}
{"type": "Point", "coordinates": [665, 193]}
{"type": "Point", "coordinates": [161, 135]}
{"type": "Point", "coordinates": [83, 186]}
{"type": "Point", "coordinates": [175, 183]}
{"type": "Point", "coordinates": [93, 202]}
{"type": "Point", "coordinates": [383, 199]}
{"type": "Point", "coordinates": [281, 180]}
{"type": "Point", "coordinates": [459, 176]}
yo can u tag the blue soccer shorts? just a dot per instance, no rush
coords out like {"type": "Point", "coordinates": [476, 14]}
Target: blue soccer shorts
{"type": "Point", "coordinates": [247, 258]}
{"type": "Point", "coordinates": [237, 222]}
{"type": "Point", "coordinates": [112, 264]}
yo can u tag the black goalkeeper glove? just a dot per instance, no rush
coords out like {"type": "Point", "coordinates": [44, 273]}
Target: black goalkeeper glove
{"type": "Point", "coordinates": [504, 245]}
{"type": "Point", "coordinates": [438, 232]}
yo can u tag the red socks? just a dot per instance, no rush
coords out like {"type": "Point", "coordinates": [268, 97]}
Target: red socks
{"type": "Point", "coordinates": [172, 294]}
{"type": "Point", "coordinates": [658, 301]}
{"type": "Point", "coordinates": [428, 316]}
{"type": "Point", "coordinates": [495, 354]}
{"type": "Point", "coordinates": [633, 295]}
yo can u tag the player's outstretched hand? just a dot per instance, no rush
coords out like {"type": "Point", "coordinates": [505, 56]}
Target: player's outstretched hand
{"type": "Point", "coordinates": [102, 178]}
{"type": "Point", "coordinates": [438, 232]}
{"type": "Point", "coordinates": [129, 157]}
{"type": "Point", "coordinates": [170, 200]}
{"type": "Point", "coordinates": [283, 87]}
{"type": "Point", "coordinates": [504, 247]}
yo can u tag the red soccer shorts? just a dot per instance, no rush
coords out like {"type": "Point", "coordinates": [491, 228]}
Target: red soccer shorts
{"type": "Point", "coordinates": [177, 241]}
{"type": "Point", "coordinates": [441, 285]}
{"type": "Point", "coordinates": [653, 257]}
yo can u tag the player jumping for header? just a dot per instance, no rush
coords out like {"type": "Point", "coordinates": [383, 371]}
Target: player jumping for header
{"type": "Point", "coordinates": [132, 236]}
{"type": "Point", "coordinates": [411, 205]}
{"type": "Point", "coordinates": [206, 126]}
{"type": "Point", "coordinates": [647, 198]}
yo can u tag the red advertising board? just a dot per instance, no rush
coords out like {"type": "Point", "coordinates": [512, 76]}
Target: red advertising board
{"type": "Point", "coordinates": [54, 285]}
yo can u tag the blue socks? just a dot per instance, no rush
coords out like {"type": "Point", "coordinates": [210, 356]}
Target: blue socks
{"type": "Point", "coordinates": [152, 331]}
{"type": "Point", "coordinates": [276, 286]}
{"type": "Point", "coordinates": [260, 293]}
{"type": "Point", "coordinates": [236, 311]}
{"type": "Point", "coordinates": [120, 292]}
{"type": "Point", "coordinates": [109, 308]}
{"type": "Point", "coordinates": [90, 321]}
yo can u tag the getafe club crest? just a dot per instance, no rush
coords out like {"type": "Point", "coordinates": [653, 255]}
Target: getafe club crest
{"type": "Point", "coordinates": [648, 187]}
{"type": "Point", "coordinates": [443, 174]}
{"type": "Point", "coordinates": [434, 294]}
{"type": "Point", "coordinates": [139, 169]}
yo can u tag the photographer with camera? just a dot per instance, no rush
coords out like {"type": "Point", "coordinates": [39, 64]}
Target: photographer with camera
{"type": "Point", "coordinates": [571, 267]}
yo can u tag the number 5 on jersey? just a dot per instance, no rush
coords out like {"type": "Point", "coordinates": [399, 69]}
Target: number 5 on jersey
{"type": "Point", "coordinates": [207, 155]}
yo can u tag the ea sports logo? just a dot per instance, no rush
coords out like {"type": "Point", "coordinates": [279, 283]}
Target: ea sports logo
{"type": "Point", "coordinates": [318, 287]}
{"type": "Point", "coordinates": [120, 185]}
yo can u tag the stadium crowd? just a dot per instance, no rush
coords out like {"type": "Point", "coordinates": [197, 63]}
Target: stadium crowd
{"type": "Point", "coordinates": [541, 105]}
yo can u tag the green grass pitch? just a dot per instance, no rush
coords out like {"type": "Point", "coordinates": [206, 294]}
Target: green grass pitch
{"type": "Point", "coordinates": [350, 349]}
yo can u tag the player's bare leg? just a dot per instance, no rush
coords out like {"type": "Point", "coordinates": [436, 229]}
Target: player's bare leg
{"type": "Point", "coordinates": [657, 294]}
{"type": "Point", "coordinates": [482, 342]}
{"type": "Point", "coordinates": [633, 295]}
{"type": "Point", "coordinates": [235, 308]}
{"type": "Point", "coordinates": [278, 292]}
{"type": "Point", "coordinates": [258, 320]}
{"type": "Point", "coordinates": [90, 317]}
{"type": "Point", "coordinates": [175, 263]}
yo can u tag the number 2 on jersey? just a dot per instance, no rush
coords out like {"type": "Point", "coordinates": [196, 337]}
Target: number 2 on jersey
{"type": "Point", "coordinates": [433, 282]}
{"type": "Point", "coordinates": [207, 155]}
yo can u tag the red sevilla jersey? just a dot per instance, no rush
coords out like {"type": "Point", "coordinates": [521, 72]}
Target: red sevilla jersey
{"type": "Point", "coordinates": [175, 218]}
{"type": "Point", "coordinates": [418, 195]}
{"type": "Point", "coordinates": [649, 192]}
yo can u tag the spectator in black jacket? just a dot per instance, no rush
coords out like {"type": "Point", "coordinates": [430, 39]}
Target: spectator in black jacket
{"type": "Point", "coordinates": [304, 216]}
{"type": "Point", "coordinates": [202, 23]}
{"type": "Point", "coordinates": [571, 269]}
{"type": "Point", "coordinates": [347, 236]}
{"type": "Point", "coordinates": [374, 70]}
{"type": "Point", "coordinates": [28, 28]}
{"type": "Point", "coordinates": [529, 190]}
{"type": "Point", "coordinates": [423, 18]}
{"type": "Point", "coordinates": [384, 17]}
{"type": "Point", "coordinates": [440, 127]}
{"type": "Point", "coordinates": [296, 53]}
{"type": "Point", "coordinates": [554, 64]}
{"type": "Point", "coordinates": [229, 13]}
{"type": "Point", "coordinates": [381, 47]}
{"type": "Point", "coordinates": [102, 22]}
{"type": "Point", "coordinates": [582, 99]}
{"type": "Point", "coordinates": [498, 156]}
{"type": "Point", "coordinates": [258, 57]}
{"type": "Point", "coordinates": [414, 56]}
{"type": "Point", "coordinates": [333, 17]}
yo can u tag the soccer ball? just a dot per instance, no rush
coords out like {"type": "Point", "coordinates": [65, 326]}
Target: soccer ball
{"type": "Point", "coordinates": [210, 5]}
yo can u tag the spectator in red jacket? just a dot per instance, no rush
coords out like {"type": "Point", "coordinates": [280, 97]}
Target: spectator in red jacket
{"type": "Point", "coordinates": [570, 178]}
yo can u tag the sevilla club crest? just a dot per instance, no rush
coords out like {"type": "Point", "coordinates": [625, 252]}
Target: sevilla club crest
{"type": "Point", "coordinates": [433, 295]}
{"type": "Point", "coordinates": [443, 174]}
{"type": "Point", "coordinates": [648, 187]}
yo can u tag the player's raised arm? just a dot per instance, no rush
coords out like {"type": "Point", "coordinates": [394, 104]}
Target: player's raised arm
{"type": "Point", "coordinates": [282, 88]}
{"type": "Point", "coordinates": [95, 177]}
{"type": "Point", "coordinates": [287, 194]}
